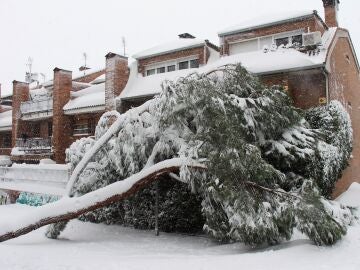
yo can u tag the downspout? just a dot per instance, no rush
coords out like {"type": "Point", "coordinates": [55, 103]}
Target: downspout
{"type": "Point", "coordinates": [326, 75]}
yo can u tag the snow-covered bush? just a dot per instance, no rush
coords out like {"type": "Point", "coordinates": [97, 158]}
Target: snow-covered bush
{"type": "Point", "coordinates": [265, 161]}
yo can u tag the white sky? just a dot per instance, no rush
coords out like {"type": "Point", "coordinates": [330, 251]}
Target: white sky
{"type": "Point", "coordinates": [56, 33]}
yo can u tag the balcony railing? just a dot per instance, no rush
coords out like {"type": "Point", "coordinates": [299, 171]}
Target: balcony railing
{"type": "Point", "coordinates": [36, 106]}
{"type": "Point", "coordinates": [34, 145]}
{"type": "Point", "coordinates": [82, 131]}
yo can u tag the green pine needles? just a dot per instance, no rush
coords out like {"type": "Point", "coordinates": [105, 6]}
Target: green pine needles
{"type": "Point", "coordinates": [270, 167]}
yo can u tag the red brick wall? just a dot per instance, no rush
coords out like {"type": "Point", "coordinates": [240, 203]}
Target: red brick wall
{"type": "Point", "coordinates": [117, 75]}
{"type": "Point", "coordinates": [344, 85]}
{"type": "Point", "coordinates": [304, 87]}
{"type": "Point", "coordinates": [61, 123]}
{"type": "Point", "coordinates": [90, 77]}
{"type": "Point", "coordinates": [330, 16]}
{"type": "Point", "coordinates": [200, 52]}
{"type": "Point", "coordinates": [20, 94]}
{"type": "Point", "coordinates": [314, 24]}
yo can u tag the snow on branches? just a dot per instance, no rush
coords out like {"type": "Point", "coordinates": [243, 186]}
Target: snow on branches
{"type": "Point", "coordinates": [269, 165]}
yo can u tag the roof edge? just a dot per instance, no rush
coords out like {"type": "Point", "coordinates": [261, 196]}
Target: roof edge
{"type": "Point", "coordinates": [298, 18]}
{"type": "Point", "coordinates": [170, 51]}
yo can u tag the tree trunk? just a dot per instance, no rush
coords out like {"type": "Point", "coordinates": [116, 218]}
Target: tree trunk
{"type": "Point", "coordinates": [70, 208]}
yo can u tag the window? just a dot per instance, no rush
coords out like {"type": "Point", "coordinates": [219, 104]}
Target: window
{"type": "Point", "coordinates": [194, 63]}
{"type": "Point", "coordinates": [172, 65]}
{"type": "Point", "coordinates": [171, 68]}
{"type": "Point", "coordinates": [183, 65]}
{"type": "Point", "coordinates": [282, 41]}
{"type": "Point", "coordinates": [82, 129]}
{"type": "Point", "coordinates": [7, 141]}
{"type": "Point", "coordinates": [150, 72]}
{"type": "Point", "coordinates": [296, 40]}
{"type": "Point", "coordinates": [160, 70]}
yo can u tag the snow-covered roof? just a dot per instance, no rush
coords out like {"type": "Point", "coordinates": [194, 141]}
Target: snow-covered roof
{"type": "Point", "coordinates": [6, 95]}
{"type": "Point", "coordinates": [93, 96]}
{"type": "Point", "coordinates": [140, 86]}
{"type": "Point", "coordinates": [79, 74]}
{"type": "Point", "coordinates": [6, 120]}
{"type": "Point", "coordinates": [258, 62]}
{"type": "Point", "coordinates": [266, 20]}
{"type": "Point", "coordinates": [99, 79]}
{"type": "Point", "coordinates": [180, 44]}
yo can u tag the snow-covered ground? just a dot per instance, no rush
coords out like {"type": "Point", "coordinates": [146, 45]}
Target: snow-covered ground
{"type": "Point", "coordinates": [93, 246]}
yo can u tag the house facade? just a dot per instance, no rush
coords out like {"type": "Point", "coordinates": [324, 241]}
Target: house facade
{"type": "Point", "coordinates": [47, 118]}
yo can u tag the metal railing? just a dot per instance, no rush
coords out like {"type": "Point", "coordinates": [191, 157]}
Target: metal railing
{"type": "Point", "coordinates": [36, 106]}
{"type": "Point", "coordinates": [34, 145]}
{"type": "Point", "coordinates": [82, 131]}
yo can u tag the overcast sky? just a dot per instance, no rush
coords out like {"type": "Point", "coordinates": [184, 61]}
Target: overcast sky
{"type": "Point", "coordinates": [57, 33]}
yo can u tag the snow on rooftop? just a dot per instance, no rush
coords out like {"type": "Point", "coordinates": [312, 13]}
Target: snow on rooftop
{"type": "Point", "coordinates": [265, 20]}
{"type": "Point", "coordinates": [92, 96]}
{"type": "Point", "coordinates": [258, 62]}
{"type": "Point", "coordinates": [140, 86]}
{"type": "Point", "coordinates": [99, 79]}
{"type": "Point", "coordinates": [79, 74]}
{"type": "Point", "coordinates": [180, 44]}
{"type": "Point", "coordinates": [6, 120]}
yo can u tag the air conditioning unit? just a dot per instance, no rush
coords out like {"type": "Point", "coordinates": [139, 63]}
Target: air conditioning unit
{"type": "Point", "coordinates": [311, 39]}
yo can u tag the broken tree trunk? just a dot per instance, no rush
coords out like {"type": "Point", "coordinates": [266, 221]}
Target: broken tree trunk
{"type": "Point", "coordinates": [70, 208]}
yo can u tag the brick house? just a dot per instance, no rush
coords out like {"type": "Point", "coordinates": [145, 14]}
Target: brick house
{"type": "Point", "coordinates": [47, 118]}
{"type": "Point", "coordinates": [314, 73]}
{"type": "Point", "coordinates": [314, 59]}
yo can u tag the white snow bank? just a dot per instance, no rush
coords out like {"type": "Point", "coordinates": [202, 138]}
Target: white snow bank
{"type": "Point", "coordinates": [180, 44]}
{"type": "Point", "coordinates": [351, 197]}
{"type": "Point", "coordinates": [87, 246]}
{"type": "Point", "coordinates": [264, 20]}
{"type": "Point", "coordinates": [5, 160]}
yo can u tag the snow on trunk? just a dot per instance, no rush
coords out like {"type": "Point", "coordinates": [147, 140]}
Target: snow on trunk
{"type": "Point", "coordinates": [70, 208]}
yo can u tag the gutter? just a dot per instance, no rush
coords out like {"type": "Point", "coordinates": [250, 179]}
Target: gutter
{"type": "Point", "coordinates": [291, 69]}
{"type": "Point", "coordinates": [138, 97]}
{"type": "Point", "coordinates": [326, 75]}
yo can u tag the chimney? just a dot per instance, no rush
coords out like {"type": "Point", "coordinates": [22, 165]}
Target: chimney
{"type": "Point", "coordinates": [331, 9]}
{"type": "Point", "coordinates": [61, 123]}
{"type": "Point", "coordinates": [116, 77]}
{"type": "Point", "coordinates": [20, 94]}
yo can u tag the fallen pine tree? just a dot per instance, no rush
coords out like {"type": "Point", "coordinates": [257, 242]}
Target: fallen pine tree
{"type": "Point", "coordinates": [270, 167]}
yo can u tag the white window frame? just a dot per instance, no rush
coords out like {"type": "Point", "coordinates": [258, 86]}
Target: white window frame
{"type": "Point", "coordinates": [287, 34]}
{"type": "Point", "coordinates": [170, 63]}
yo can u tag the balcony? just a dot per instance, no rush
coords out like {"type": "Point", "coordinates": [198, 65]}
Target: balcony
{"type": "Point", "coordinates": [36, 110]}
{"type": "Point", "coordinates": [34, 146]}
